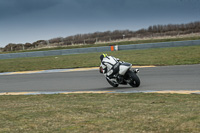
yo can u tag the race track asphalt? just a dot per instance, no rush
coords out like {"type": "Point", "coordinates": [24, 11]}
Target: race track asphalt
{"type": "Point", "coordinates": [183, 77]}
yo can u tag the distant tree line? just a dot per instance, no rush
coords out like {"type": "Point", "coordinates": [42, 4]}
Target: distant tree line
{"type": "Point", "coordinates": [97, 37]}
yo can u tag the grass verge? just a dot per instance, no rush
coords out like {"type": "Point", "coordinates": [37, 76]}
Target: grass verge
{"type": "Point", "coordinates": [158, 56]}
{"type": "Point", "coordinates": [100, 113]}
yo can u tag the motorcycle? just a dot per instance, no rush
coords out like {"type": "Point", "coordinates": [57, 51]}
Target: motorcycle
{"type": "Point", "coordinates": [124, 74]}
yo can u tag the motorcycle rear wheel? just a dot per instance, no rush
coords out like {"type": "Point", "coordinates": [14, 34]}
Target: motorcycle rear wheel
{"type": "Point", "coordinates": [134, 79]}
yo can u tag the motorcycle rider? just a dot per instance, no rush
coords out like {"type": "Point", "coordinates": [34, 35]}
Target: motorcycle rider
{"type": "Point", "coordinates": [109, 66]}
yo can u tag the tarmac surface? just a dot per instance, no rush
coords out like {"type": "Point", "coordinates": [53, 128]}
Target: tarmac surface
{"type": "Point", "coordinates": [164, 79]}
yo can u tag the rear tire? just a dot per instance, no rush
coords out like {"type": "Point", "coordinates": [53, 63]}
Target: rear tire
{"type": "Point", "coordinates": [112, 84]}
{"type": "Point", "coordinates": [134, 79]}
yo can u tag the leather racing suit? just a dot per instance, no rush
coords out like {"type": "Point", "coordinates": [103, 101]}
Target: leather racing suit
{"type": "Point", "coordinates": [107, 65]}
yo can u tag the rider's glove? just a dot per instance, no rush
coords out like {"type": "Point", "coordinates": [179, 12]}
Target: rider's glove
{"type": "Point", "coordinates": [100, 69]}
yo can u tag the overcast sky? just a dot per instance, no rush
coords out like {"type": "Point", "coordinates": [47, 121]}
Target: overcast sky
{"type": "Point", "coordinates": [24, 21]}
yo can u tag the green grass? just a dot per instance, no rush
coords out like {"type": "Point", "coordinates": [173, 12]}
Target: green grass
{"type": "Point", "coordinates": [158, 56]}
{"type": "Point", "coordinates": [162, 113]}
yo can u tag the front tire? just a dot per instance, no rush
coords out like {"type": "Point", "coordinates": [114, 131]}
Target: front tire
{"type": "Point", "coordinates": [134, 79]}
{"type": "Point", "coordinates": [112, 84]}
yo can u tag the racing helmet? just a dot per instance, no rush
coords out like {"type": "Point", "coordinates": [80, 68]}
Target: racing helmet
{"type": "Point", "coordinates": [102, 56]}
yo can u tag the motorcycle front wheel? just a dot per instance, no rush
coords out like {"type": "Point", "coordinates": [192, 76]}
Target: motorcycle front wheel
{"type": "Point", "coordinates": [134, 79]}
{"type": "Point", "coordinates": [112, 84]}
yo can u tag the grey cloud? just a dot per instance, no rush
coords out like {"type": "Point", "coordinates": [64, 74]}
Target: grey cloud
{"type": "Point", "coordinates": [9, 8]}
